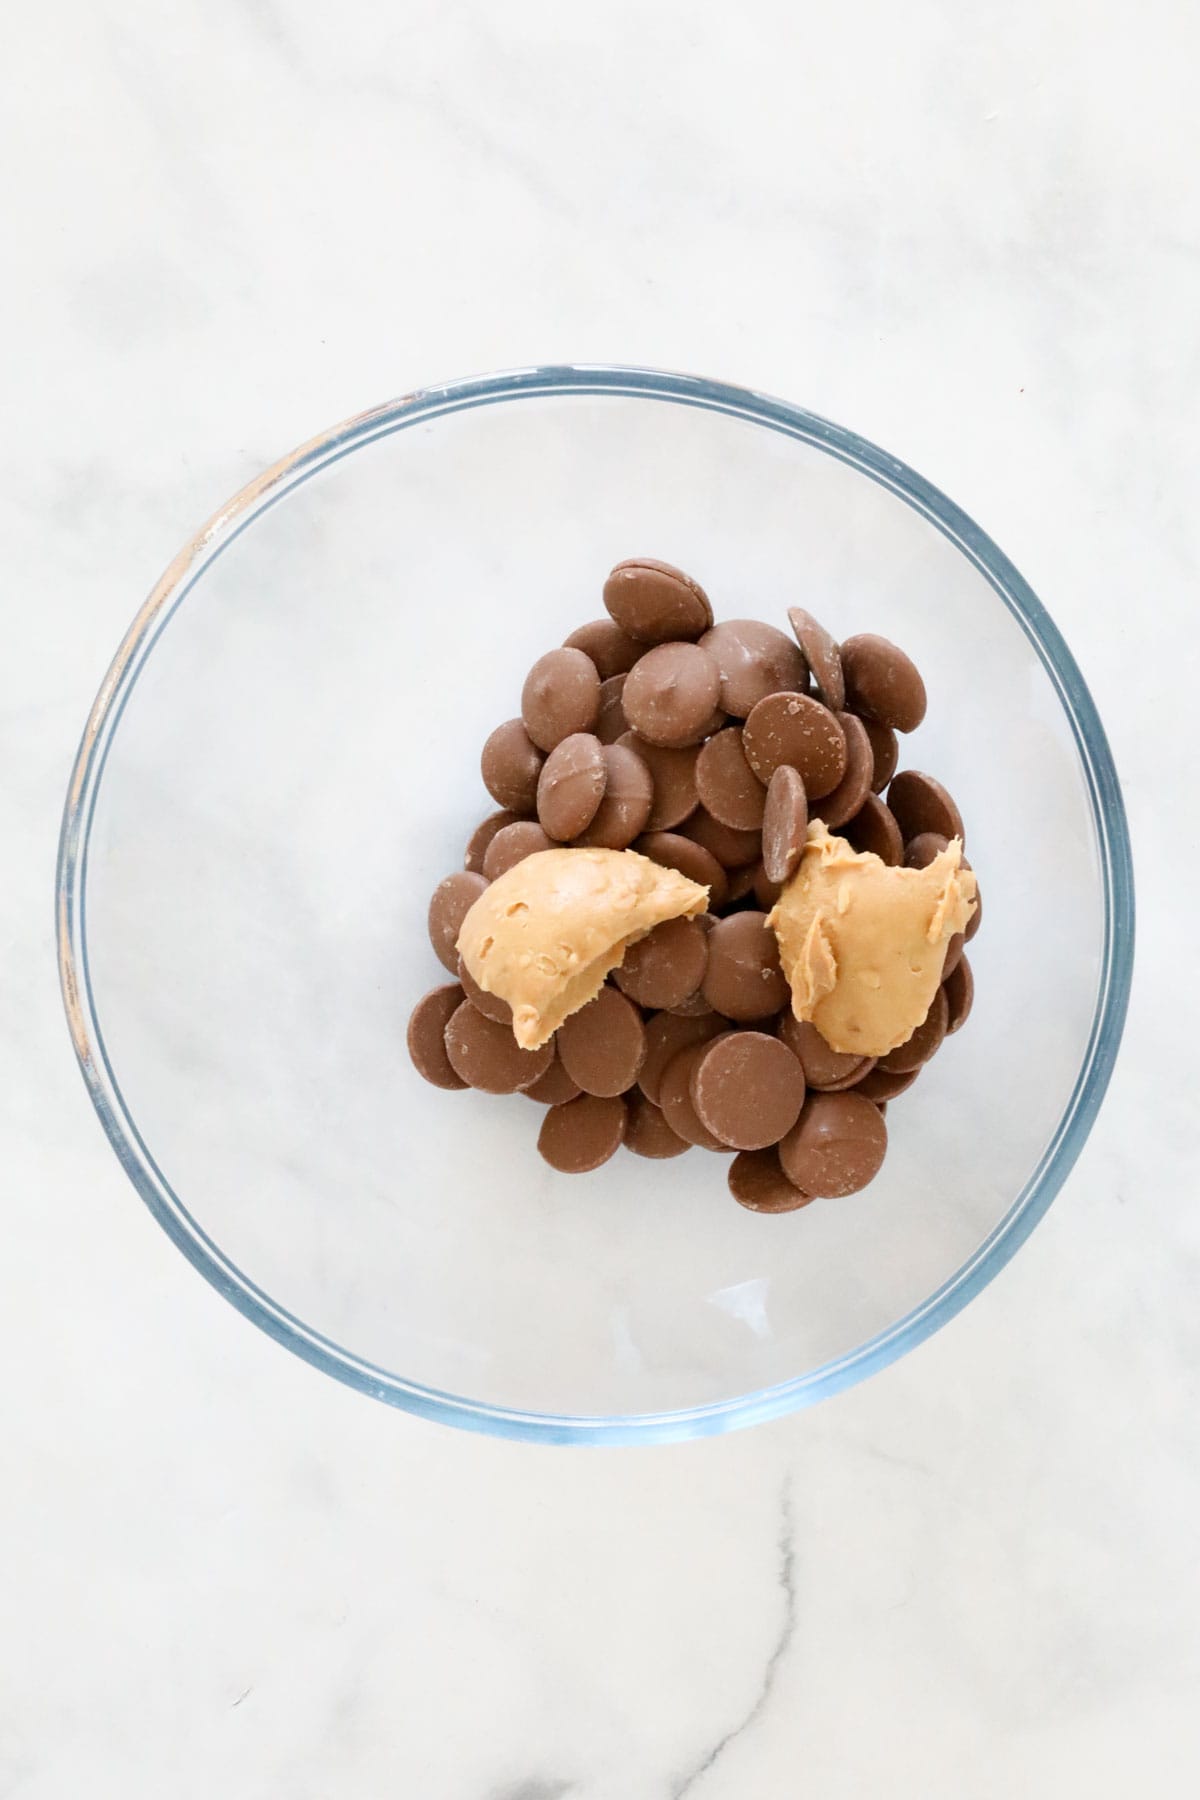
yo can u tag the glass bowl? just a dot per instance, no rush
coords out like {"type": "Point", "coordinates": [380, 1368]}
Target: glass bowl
{"type": "Point", "coordinates": [283, 761]}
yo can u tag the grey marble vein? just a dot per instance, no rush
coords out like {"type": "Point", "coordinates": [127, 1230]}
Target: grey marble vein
{"type": "Point", "coordinates": [686, 1783]}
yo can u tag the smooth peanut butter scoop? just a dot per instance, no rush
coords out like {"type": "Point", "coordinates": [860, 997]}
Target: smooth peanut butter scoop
{"type": "Point", "coordinates": [545, 934]}
{"type": "Point", "coordinates": [863, 944]}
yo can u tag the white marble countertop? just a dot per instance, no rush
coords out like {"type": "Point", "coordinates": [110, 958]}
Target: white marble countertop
{"type": "Point", "coordinates": [970, 234]}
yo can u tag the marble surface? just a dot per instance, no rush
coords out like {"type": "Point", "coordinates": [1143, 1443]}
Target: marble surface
{"type": "Point", "coordinates": [971, 234]}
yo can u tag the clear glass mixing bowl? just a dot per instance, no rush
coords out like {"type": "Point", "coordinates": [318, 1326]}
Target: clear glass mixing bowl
{"type": "Point", "coordinates": [282, 762]}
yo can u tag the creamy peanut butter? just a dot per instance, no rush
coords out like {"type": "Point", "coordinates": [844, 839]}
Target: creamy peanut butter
{"type": "Point", "coordinates": [545, 934]}
{"type": "Point", "coordinates": [863, 945]}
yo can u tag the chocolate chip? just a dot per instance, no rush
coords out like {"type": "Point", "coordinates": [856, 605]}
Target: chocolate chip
{"type": "Point", "coordinates": [747, 1089]}
{"type": "Point", "coordinates": [427, 1035]}
{"type": "Point", "coordinates": [766, 891]}
{"type": "Point", "coordinates": [482, 836]}
{"type": "Point", "coordinates": [822, 656]}
{"type": "Point", "coordinates": [694, 1007]}
{"type": "Point", "coordinates": [655, 602]}
{"type": "Point", "coordinates": [885, 748]}
{"type": "Point", "coordinates": [673, 773]}
{"type": "Point", "coordinates": [490, 1005]}
{"type": "Point", "coordinates": [923, 1043]}
{"type": "Point", "coordinates": [571, 786]}
{"type": "Point", "coordinates": [510, 765]}
{"type": "Point", "coordinates": [923, 848]}
{"type": "Point", "coordinates": [785, 824]}
{"type": "Point", "coordinates": [757, 1181]}
{"type": "Point", "coordinates": [666, 967]}
{"type": "Point", "coordinates": [603, 1044]}
{"type": "Point", "coordinates": [882, 683]}
{"type": "Point", "coordinates": [873, 831]}
{"type": "Point", "coordinates": [554, 1088]}
{"type": "Point", "coordinates": [741, 884]}
{"type": "Point", "coordinates": [451, 901]}
{"type": "Point", "coordinates": [954, 954]}
{"type": "Point", "coordinates": [561, 695]}
{"type": "Point", "coordinates": [836, 1147]}
{"type": "Point", "coordinates": [827, 1070]}
{"type": "Point", "coordinates": [754, 660]}
{"type": "Point", "coordinates": [612, 650]}
{"type": "Point", "coordinates": [611, 722]}
{"type": "Point", "coordinates": [732, 849]}
{"type": "Point", "coordinates": [960, 996]}
{"type": "Point", "coordinates": [513, 845]}
{"type": "Point", "coordinates": [487, 1056]}
{"type": "Point", "coordinates": [743, 979]}
{"type": "Point", "coordinates": [920, 804]}
{"type": "Point", "coordinates": [976, 919]}
{"type": "Point", "coordinates": [792, 728]}
{"type": "Point", "coordinates": [852, 790]}
{"type": "Point", "coordinates": [583, 1134]}
{"type": "Point", "coordinates": [727, 784]}
{"type": "Point", "coordinates": [647, 1132]}
{"type": "Point", "coordinates": [675, 1097]}
{"type": "Point", "coordinates": [666, 1035]}
{"type": "Point", "coordinates": [671, 851]}
{"type": "Point", "coordinates": [628, 797]}
{"type": "Point", "coordinates": [879, 1086]}
{"type": "Point", "coordinates": [671, 694]}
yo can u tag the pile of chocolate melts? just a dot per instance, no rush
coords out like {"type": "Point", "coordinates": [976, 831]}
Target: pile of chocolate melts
{"type": "Point", "coordinates": [707, 748]}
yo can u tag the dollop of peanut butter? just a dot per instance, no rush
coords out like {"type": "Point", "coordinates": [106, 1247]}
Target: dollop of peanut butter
{"type": "Point", "coordinates": [863, 945]}
{"type": "Point", "coordinates": [548, 931]}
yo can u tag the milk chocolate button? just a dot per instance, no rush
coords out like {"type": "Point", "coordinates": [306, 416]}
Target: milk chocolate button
{"type": "Point", "coordinates": [960, 995]}
{"type": "Point", "coordinates": [920, 852]}
{"type": "Point", "coordinates": [675, 1097]}
{"type": "Point", "coordinates": [880, 1087]}
{"type": "Point", "coordinates": [882, 683]}
{"type": "Point", "coordinates": [673, 773]}
{"type": "Point", "coordinates": [554, 1088]}
{"type": "Point", "coordinates": [754, 660]}
{"type": "Point", "coordinates": [561, 695]}
{"type": "Point", "coordinates": [743, 979]}
{"type": "Point", "coordinates": [655, 602]}
{"type": "Point", "coordinates": [510, 766]}
{"type": "Point", "coordinates": [954, 954]}
{"type": "Point", "coordinates": [487, 1056]}
{"type": "Point", "coordinates": [766, 891]}
{"type": "Point", "coordinates": [976, 919]}
{"type": "Point", "coordinates": [920, 804]}
{"type": "Point", "coordinates": [757, 1181]}
{"type": "Point", "coordinates": [792, 728]}
{"type": "Point", "coordinates": [822, 656]}
{"type": "Point", "coordinates": [602, 1045]}
{"type": "Point", "coordinates": [583, 1134]}
{"type": "Point", "coordinates": [852, 790]}
{"type": "Point", "coordinates": [836, 1147]}
{"type": "Point", "coordinates": [694, 1007]}
{"type": "Point", "coordinates": [666, 1035]}
{"type": "Point", "coordinates": [427, 1035]}
{"type": "Point", "coordinates": [490, 1005]}
{"type": "Point", "coordinates": [571, 786]}
{"type": "Point", "coordinates": [874, 831]}
{"type": "Point", "coordinates": [824, 1069]}
{"type": "Point", "coordinates": [924, 1042]}
{"type": "Point", "coordinates": [732, 849]}
{"type": "Point", "coordinates": [449, 905]}
{"type": "Point", "coordinates": [647, 1132]}
{"type": "Point", "coordinates": [512, 845]}
{"type": "Point", "coordinates": [885, 748]}
{"type": "Point", "coordinates": [667, 966]}
{"type": "Point", "coordinates": [610, 718]}
{"type": "Point", "coordinates": [612, 650]}
{"type": "Point", "coordinates": [747, 1089]}
{"type": "Point", "coordinates": [785, 824]}
{"type": "Point", "coordinates": [671, 693]}
{"type": "Point", "coordinates": [727, 784]}
{"type": "Point", "coordinates": [671, 851]}
{"type": "Point", "coordinates": [482, 836]}
{"type": "Point", "coordinates": [741, 884]}
{"type": "Point", "coordinates": [628, 797]}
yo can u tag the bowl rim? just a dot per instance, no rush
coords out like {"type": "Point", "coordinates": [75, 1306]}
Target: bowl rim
{"type": "Point", "coordinates": [1108, 821]}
